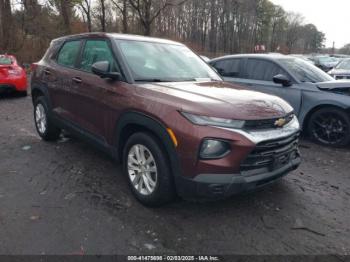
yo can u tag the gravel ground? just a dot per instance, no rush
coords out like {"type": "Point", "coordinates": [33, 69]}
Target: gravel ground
{"type": "Point", "coordinates": [68, 198]}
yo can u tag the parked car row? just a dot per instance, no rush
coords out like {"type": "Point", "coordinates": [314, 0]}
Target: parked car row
{"type": "Point", "coordinates": [326, 63]}
{"type": "Point", "coordinates": [342, 70]}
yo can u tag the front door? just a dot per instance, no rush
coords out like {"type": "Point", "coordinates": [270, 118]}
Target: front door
{"type": "Point", "coordinates": [97, 100]}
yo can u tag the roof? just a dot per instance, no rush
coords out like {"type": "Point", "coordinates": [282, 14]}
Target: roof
{"type": "Point", "coordinates": [119, 36]}
{"type": "Point", "coordinates": [266, 56]}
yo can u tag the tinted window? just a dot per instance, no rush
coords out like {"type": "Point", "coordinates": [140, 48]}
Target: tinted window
{"type": "Point", "coordinates": [228, 67]}
{"type": "Point", "coordinates": [69, 53]}
{"type": "Point", "coordinates": [96, 51]}
{"type": "Point", "coordinates": [257, 69]}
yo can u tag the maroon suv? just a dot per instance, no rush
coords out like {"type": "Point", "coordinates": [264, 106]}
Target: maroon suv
{"type": "Point", "coordinates": [165, 114]}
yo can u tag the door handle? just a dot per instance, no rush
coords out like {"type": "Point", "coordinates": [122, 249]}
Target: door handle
{"type": "Point", "coordinates": [47, 72]}
{"type": "Point", "coordinates": [77, 80]}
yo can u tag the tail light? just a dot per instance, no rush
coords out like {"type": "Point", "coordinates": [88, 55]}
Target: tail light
{"type": "Point", "coordinates": [14, 71]}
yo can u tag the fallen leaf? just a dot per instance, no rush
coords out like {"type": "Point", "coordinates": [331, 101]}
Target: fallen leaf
{"type": "Point", "coordinates": [26, 148]}
{"type": "Point", "coordinates": [34, 218]}
{"type": "Point", "coordinates": [150, 246]}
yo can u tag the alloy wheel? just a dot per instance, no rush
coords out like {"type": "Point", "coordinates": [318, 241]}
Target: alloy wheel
{"type": "Point", "coordinates": [142, 169]}
{"type": "Point", "coordinates": [40, 118]}
{"type": "Point", "coordinates": [330, 128]}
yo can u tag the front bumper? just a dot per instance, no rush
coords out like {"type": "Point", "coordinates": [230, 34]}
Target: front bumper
{"type": "Point", "coordinates": [6, 88]}
{"type": "Point", "coordinates": [274, 155]}
{"type": "Point", "coordinates": [218, 186]}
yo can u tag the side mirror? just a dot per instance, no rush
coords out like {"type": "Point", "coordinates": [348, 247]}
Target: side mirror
{"type": "Point", "coordinates": [282, 79]}
{"type": "Point", "coordinates": [102, 69]}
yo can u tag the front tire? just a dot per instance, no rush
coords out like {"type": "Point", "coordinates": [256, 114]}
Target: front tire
{"type": "Point", "coordinates": [44, 126]}
{"type": "Point", "coordinates": [330, 127]}
{"type": "Point", "coordinates": [147, 168]}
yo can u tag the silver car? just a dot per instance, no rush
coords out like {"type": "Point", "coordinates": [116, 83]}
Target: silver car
{"type": "Point", "coordinates": [321, 103]}
{"type": "Point", "coordinates": [342, 70]}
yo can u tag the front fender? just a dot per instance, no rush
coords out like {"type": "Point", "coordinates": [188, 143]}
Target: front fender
{"type": "Point", "coordinates": [152, 125]}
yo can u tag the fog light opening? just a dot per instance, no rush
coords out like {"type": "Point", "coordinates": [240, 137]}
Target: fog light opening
{"type": "Point", "coordinates": [214, 149]}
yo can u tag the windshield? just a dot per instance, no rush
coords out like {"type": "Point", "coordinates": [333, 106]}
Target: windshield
{"type": "Point", "coordinates": [5, 60]}
{"type": "Point", "coordinates": [344, 65]}
{"type": "Point", "coordinates": [304, 71]}
{"type": "Point", "coordinates": [158, 62]}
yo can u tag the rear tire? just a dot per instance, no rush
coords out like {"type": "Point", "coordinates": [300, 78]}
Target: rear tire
{"type": "Point", "coordinates": [330, 127]}
{"type": "Point", "coordinates": [148, 171]}
{"type": "Point", "coordinates": [44, 126]}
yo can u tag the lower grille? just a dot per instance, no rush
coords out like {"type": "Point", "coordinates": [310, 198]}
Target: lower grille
{"type": "Point", "coordinates": [271, 155]}
{"type": "Point", "coordinates": [342, 77]}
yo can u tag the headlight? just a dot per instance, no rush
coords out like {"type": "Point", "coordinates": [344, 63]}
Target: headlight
{"type": "Point", "coordinates": [214, 121]}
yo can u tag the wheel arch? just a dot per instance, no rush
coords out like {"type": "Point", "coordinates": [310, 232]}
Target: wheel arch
{"type": "Point", "coordinates": [319, 107]}
{"type": "Point", "coordinates": [40, 91]}
{"type": "Point", "coordinates": [132, 122]}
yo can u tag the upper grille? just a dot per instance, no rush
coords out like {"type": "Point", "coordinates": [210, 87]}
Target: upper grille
{"type": "Point", "coordinates": [265, 123]}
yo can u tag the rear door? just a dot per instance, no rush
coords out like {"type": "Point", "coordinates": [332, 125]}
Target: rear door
{"type": "Point", "coordinates": [58, 77]}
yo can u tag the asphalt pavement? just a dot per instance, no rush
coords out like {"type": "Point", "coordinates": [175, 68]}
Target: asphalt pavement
{"type": "Point", "coordinates": [68, 198]}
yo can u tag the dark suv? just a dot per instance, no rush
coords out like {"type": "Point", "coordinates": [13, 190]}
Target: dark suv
{"type": "Point", "coordinates": [165, 114]}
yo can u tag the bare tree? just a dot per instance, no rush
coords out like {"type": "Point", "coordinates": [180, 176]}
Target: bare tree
{"type": "Point", "coordinates": [149, 10]}
{"type": "Point", "coordinates": [102, 14]}
{"type": "Point", "coordinates": [85, 7]}
{"type": "Point", "coordinates": [294, 30]}
{"type": "Point", "coordinates": [123, 7]}
{"type": "Point", "coordinates": [5, 24]}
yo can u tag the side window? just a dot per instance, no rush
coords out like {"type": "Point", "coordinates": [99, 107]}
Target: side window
{"type": "Point", "coordinates": [69, 53]}
{"type": "Point", "coordinates": [96, 51]}
{"type": "Point", "coordinates": [257, 69]}
{"type": "Point", "coordinates": [228, 67]}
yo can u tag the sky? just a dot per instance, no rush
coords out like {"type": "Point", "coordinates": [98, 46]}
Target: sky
{"type": "Point", "coordinates": [332, 17]}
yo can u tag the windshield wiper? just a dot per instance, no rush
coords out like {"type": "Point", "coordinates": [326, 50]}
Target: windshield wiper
{"type": "Point", "coordinates": [159, 80]}
{"type": "Point", "coordinates": [154, 80]}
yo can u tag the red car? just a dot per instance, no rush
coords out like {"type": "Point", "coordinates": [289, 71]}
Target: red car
{"type": "Point", "coordinates": [13, 78]}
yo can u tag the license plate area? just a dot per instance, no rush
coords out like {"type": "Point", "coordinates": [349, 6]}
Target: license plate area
{"type": "Point", "coordinates": [281, 160]}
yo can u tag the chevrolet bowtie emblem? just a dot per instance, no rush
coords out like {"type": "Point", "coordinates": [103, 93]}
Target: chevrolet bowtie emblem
{"type": "Point", "coordinates": [280, 122]}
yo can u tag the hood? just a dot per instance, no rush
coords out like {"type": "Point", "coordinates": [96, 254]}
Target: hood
{"type": "Point", "coordinates": [336, 71]}
{"type": "Point", "coordinates": [221, 99]}
{"type": "Point", "coordinates": [334, 85]}
{"type": "Point", "coordinates": [329, 64]}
